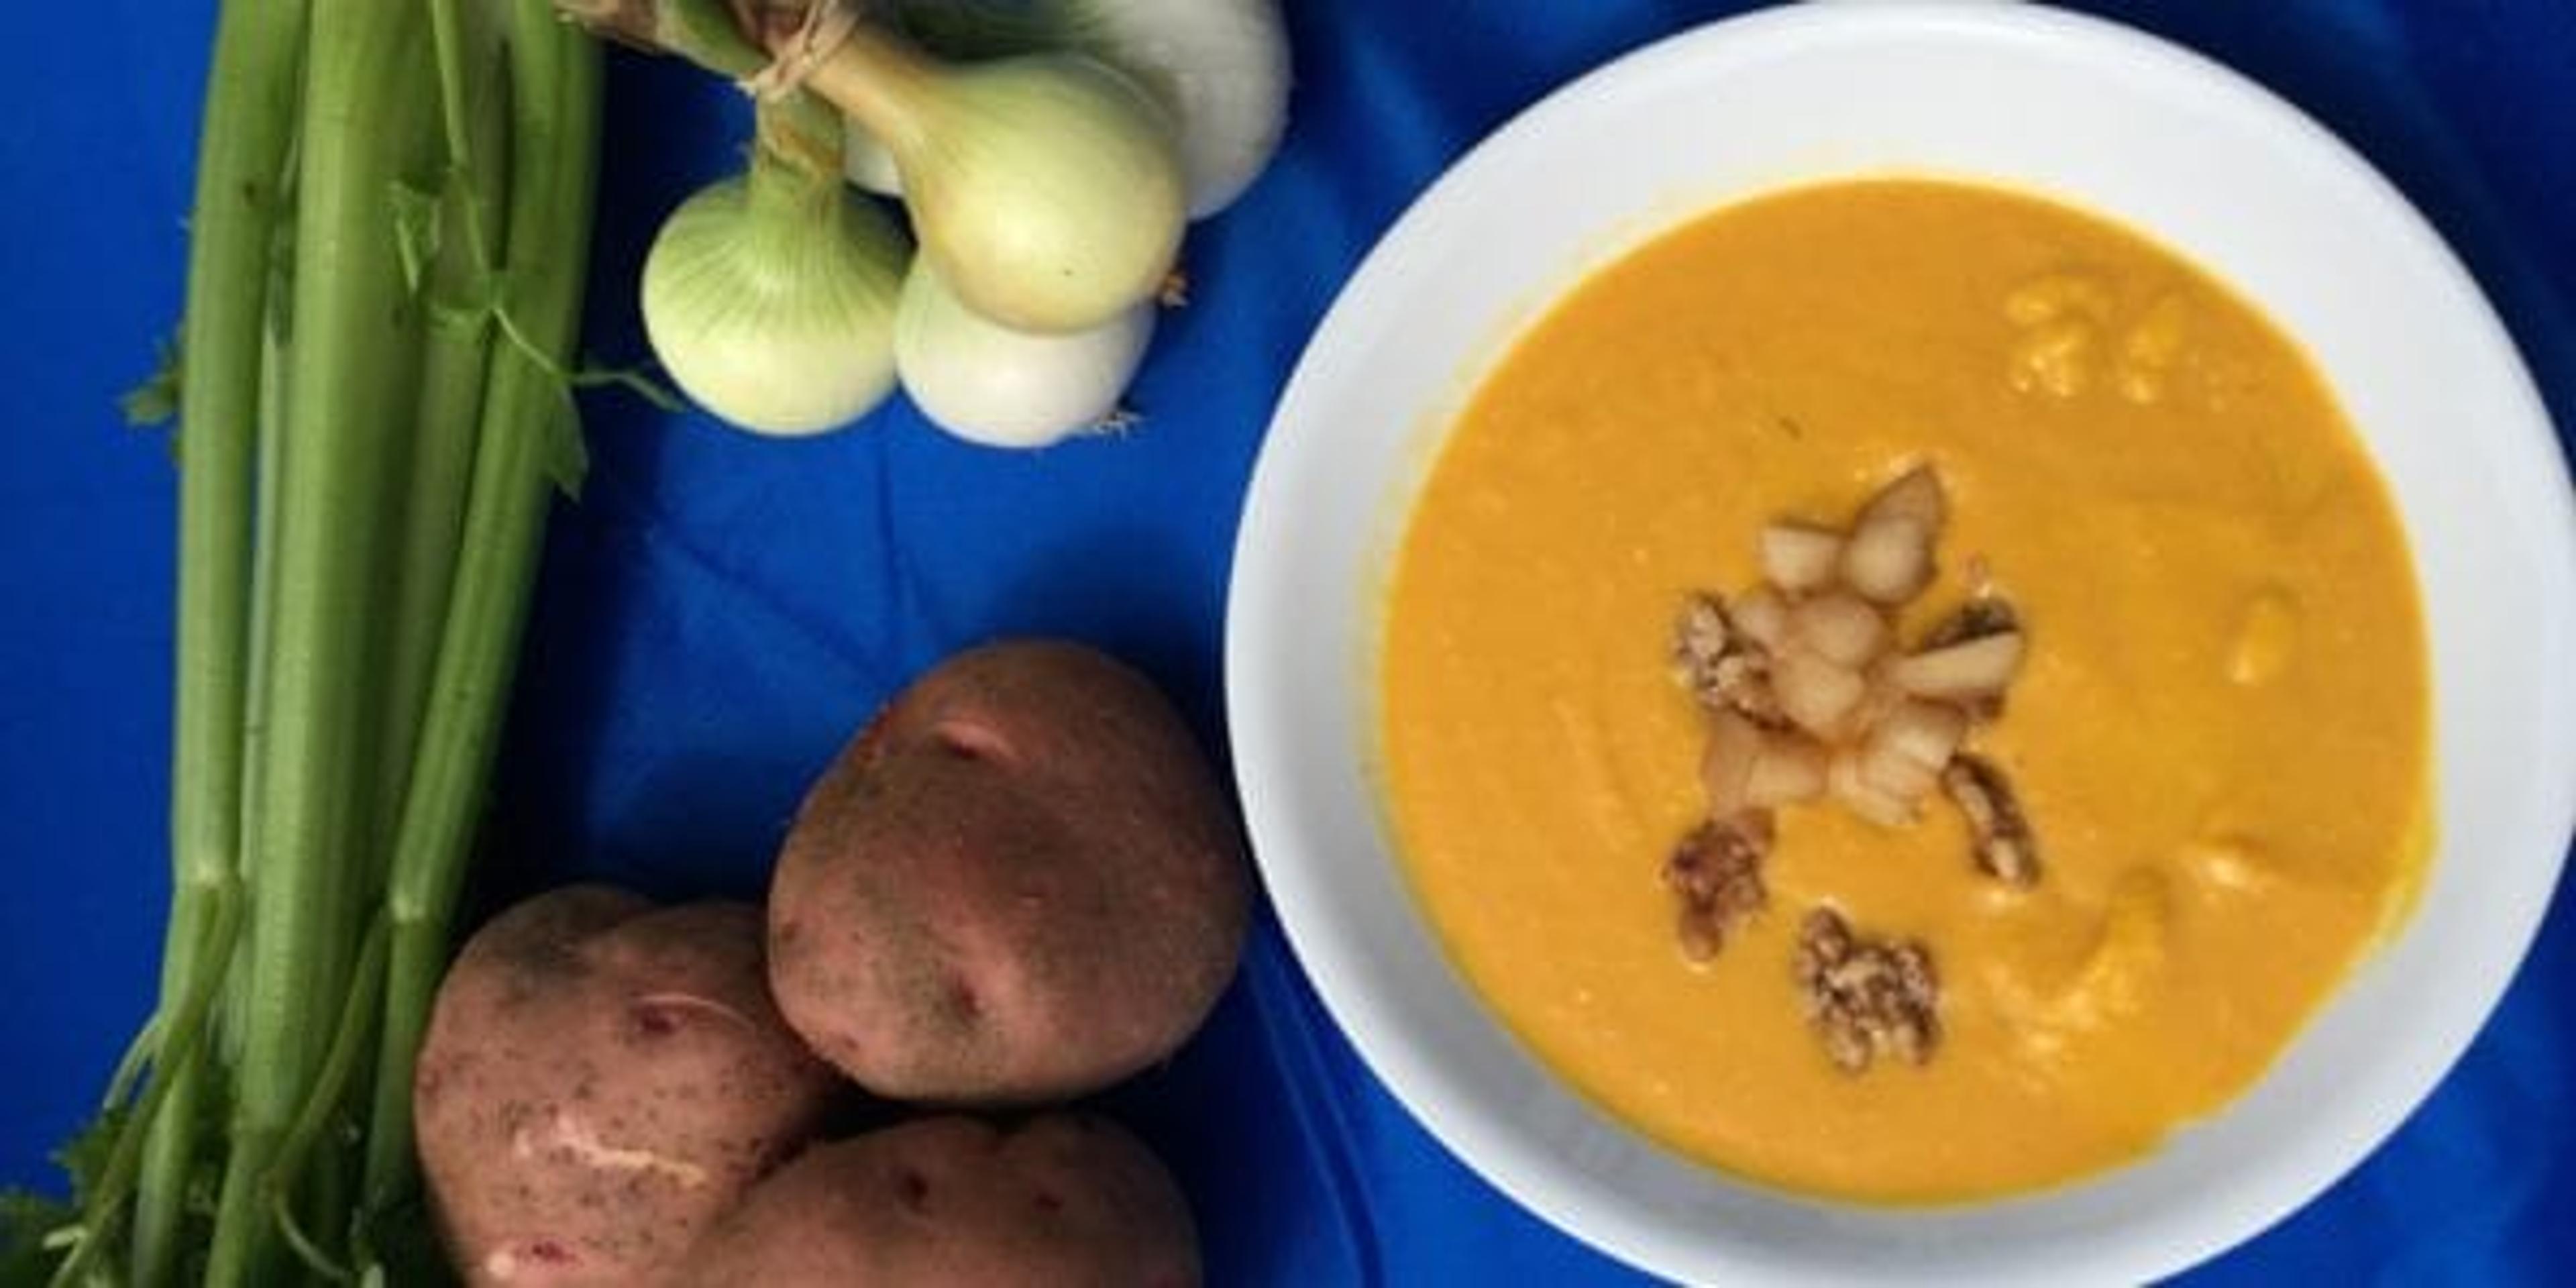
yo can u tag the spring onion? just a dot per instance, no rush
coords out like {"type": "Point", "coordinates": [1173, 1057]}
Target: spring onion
{"type": "Point", "coordinates": [1002, 387]}
{"type": "Point", "coordinates": [1220, 66]}
{"type": "Point", "coordinates": [1045, 187]}
{"type": "Point", "coordinates": [771, 297]}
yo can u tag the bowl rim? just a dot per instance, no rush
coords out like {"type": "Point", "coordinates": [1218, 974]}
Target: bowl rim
{"type": "Point", "coordinates": [1272, 595]}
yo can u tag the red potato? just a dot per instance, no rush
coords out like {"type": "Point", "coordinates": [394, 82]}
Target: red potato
{"type": "Point", "coordinates": [1063, 1201]}
{"type": "Point", "coordinates": [1022, 882]}
{"type": "Point", "coordinates": [600, 1081]}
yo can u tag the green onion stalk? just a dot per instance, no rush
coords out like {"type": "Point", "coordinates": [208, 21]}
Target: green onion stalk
{"type": "Point", "coordinates": [1045, 188]}
{"type": "Point", "coordinates": [770, 297]}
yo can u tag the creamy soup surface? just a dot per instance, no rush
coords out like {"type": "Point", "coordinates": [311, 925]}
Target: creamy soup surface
{"type": "Point", "coordinates": [2219, 736]}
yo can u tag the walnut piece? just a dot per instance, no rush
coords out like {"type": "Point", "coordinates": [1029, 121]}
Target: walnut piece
{"type": "Point", "coordinates": [1716, 874]}
{"type": "Point", "coordinates": [2001, 836]}
{"type": "Point", "coordinates": [1722, 666]}
{"type": "Point", "coordinates": [1867, 999]}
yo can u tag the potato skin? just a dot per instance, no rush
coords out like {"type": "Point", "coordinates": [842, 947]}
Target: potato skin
{"type": "Point", "coordinates": [1062, 1201]}
{"type": "Point", "coordinates": [600, 1081]}
{"type": "Point", "coordinates": [1021, 883]}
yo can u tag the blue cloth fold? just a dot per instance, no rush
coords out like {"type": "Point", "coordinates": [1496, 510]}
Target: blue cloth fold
{"type": "Point", "coordinates": [719, 612]}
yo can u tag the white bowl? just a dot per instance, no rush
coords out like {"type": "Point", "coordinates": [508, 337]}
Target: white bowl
{"type": "Point", "coordinates": [2101, 117]}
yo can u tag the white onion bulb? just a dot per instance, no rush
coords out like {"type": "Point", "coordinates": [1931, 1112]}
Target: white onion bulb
{"type": "Point", "coordinates": [1220, 66]}
{"type": "Point", "coordinates": [1045, 187]}
{"type": "Point", "coordinates": [774, 310]}
{"type": "Point", "coordinates": [1002, 387]}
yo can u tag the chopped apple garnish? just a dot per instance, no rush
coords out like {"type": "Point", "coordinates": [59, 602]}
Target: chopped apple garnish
{"type": "Point", "coordinates": [1762, 617]}
{"type": "Point", "coordinates": [1788, 769]}
{"type": "Point", "coordinates": [1815, 693]}
{"type": "Point", "coordinates": [1923, 734]}
{"type": "Point", "coordinates": [1915, 496]}
{"type": "Point", "coordinates": [1865, 800]}
{"type": "Point", "coordinates": [1976, 670]}
{"type": "Point", "coordinates": [1889, 557]}
{"type": "Point", "coordinates": [1811, 697]}
{"type": "Point", "coordinates": [1798, 558]}
{"type": "Point", "coordinates": [1889, 560]}
{"type": "Point", "coordinates": [1840, 627]}
{"type": "Point", "coordinates": [1897, 774]}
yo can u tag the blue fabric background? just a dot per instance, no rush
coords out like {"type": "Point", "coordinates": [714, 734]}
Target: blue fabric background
{"type": "Point", "coordinates": [718, 613]}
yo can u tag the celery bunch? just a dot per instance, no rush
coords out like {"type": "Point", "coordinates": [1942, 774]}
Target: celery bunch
{"type": "Point", "coordinates": [387, 248]}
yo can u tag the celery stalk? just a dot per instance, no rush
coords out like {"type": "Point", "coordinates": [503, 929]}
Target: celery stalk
{"type": "Point", "coordinates": [474, 121]}
{"type": "Point", "coordinates": [248, 128]}
{"type": "Point", "coordinates": [354, 356]}
{"type": "Point", "coordinates": [527, 411]}
{"type": "Point", "coordinates": [375, 408]}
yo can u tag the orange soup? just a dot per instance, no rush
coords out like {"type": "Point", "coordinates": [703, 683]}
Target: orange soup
{"type": "Point", "coordinates": [2219, 735]}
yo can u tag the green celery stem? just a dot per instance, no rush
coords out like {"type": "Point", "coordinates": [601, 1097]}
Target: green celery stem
{"type": "Point", "coordinates": [186, 1038]}
{"type": "Point", "coordinates": [475, 120]}
{"type": "Point", "coordinates": [348, 401]}
{"type": "Point", "coordinates": [474, 123]}
{"type": "Point", "coordinates": [349, 1036]}
{"type": "Point", "coordinates": [247, 128]}
{"type": "Point", "coordinates": [555, 76]}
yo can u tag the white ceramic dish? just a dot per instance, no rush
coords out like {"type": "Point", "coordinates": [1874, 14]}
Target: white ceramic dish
{"type": "Point", "coordinates": [2096, 115]}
